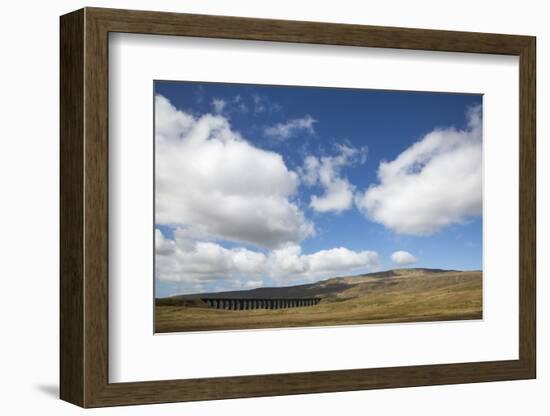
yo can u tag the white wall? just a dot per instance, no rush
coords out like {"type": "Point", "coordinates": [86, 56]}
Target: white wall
{"type": "Point", "coordinates": [29, 207]}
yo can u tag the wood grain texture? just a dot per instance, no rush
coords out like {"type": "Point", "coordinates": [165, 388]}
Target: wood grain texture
{"type": "Point", "coordinates": [527, 208]}
{"type": "Point", "coordinates": [84, 207]}
{"type": "Point", "coordinates": [96, 208]}
{"type": "Point", "coordinates": [71, 100]}
{"type": "Point", "coordinates": [225, 27]}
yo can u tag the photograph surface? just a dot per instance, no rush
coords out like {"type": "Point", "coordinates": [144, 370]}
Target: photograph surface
{"type": "Point", "coordinates": [295, 206]}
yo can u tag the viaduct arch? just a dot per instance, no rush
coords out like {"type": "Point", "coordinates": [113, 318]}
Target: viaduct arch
{"type": "Point", "coordinates": [251, 304]}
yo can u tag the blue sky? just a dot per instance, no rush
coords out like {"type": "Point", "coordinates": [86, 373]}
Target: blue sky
{"type": "Point", "coordinates": [323, 151]}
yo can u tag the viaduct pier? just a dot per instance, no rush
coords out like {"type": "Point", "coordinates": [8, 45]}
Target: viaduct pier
{"type": "Point", "coordinates": [250, 304]}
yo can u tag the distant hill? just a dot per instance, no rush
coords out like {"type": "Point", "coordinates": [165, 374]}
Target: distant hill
{"type": "Point", "coordinates": [340, 288]}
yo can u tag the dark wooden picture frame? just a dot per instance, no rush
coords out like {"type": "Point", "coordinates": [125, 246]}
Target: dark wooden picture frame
{"type": "Point", "coordinates": [84, 207]}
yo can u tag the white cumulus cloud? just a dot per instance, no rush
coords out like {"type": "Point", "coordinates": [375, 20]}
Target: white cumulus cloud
{"type": "Point", "coordinates": [169, 122]}
{"type": "Point", "coordinates": [211, 180]}
{"type": "Point", "coordinates": [290, 128]}
{"type": "Point", "coordinates": [403, 258]}
{"type": "Point", "coordinates": [289, 263]}
{"type": "Point", "coordinates": [338, 191]}
{"type": "Point", "coordinates": [184, 259]}
{"type": "Point", "coordinates": [434, 183]}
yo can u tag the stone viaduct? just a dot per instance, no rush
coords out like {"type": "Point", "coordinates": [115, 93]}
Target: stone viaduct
{"type": "Point", "coordinates": [249, 304]}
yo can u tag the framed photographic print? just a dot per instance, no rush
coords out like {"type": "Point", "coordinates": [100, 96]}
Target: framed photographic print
{"type": "Point", "coordinates": [255, 207]}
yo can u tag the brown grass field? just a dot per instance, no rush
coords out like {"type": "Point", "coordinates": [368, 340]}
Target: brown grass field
{"type": "Point", "coordinates": [410, 295]}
